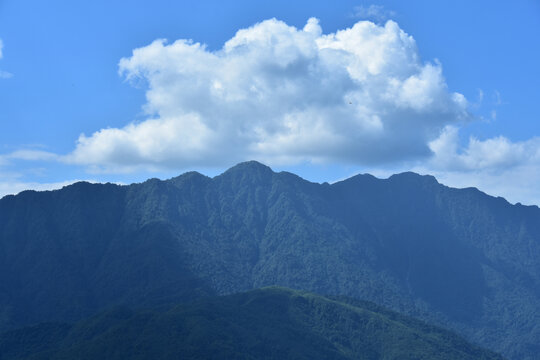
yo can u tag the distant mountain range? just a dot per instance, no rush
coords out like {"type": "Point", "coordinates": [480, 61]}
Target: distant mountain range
{"type": "Point", "coordinates": [452, 257]}
{"type": "Point", "coordinates": [271, 323]}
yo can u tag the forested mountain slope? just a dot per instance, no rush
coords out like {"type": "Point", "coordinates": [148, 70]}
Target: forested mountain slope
{"type": "Point", "coordinates": [457, 258]}
{"type": "Point", "coordinates": [271, 323]}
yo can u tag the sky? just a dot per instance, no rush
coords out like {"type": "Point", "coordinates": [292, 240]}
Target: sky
{"type": "Point", "coordinates": [120, 91]}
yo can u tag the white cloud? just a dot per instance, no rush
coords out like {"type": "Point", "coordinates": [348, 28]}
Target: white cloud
{"type": "Point", "coordinates": [516, 184]}
{"type": "Point", "coordinates": [496, 165]}
{"type": "Point", "coordinates": [12, 182]}
{"type": "Point", "coordinates": [32, 155]}
{"type": "Point", "coordinates": [490, 154]}
{"type": "Point", "coordinates": [14, 176]}
{"type": "Point", "coordinates": [28, 155]}
{"type": "Point", "coordinates": [281, 95]}
{"type": "Point", "coordinates": [373, 12]}
{"type": "Point", "coordinates": [1, 48]}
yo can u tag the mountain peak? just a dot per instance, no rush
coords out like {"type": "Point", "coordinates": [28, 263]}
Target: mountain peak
{"type": "Point", "coordinates": [249, 168]}
{"type": "Point", "coordinates": [412, 176]}
{"type": "Point", "coordinates": [189, 177]}
{"type": "Point", "coordinates": [251, 165]}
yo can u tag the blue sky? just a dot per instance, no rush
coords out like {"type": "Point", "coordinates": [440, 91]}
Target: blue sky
{"type": "Point", "coordinates": [446, 88]}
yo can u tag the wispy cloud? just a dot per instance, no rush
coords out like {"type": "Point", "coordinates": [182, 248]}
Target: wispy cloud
{"type": "Point", "coordinates": [373, 12]}
{"type": "Point", "coordinates": [14, 174]}
{"type": "Point", "coordinates": [3, 74]}
{"type": "Point", "coordinates": [497, 99]}
{"type": "Point", "coordinates": [28, 155]}
{"type": "Point", "coordinates": [480, 97]}
{"type": "Point", "coordinates": [33, 155]}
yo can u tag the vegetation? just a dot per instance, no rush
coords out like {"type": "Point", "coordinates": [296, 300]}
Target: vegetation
{"type": "Point", "coordinates": [272, 323]}
{"type": "Point", "coordinates": [456, 258]}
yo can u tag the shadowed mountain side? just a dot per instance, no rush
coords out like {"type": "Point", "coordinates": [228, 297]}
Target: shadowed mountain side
{"type": "Point", "coordinates": [66, 254]}
{"type": "Point", "coordinates": [454, 257]}
{"type": "Point", "coordinates": [271, 323]}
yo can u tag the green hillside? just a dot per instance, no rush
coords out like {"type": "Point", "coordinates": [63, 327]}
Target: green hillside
{"type": "Point", "coordinates": [271, 323]}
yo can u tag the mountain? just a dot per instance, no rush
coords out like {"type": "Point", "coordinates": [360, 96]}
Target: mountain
{"type": "Point", "coordinates": [271, 323]}
{"type": "Point", "coordinates": [453, 257]}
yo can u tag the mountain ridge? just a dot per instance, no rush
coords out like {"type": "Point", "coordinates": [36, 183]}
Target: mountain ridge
{"type": "Point", "coordinates": [254, 164]}
{"type": "Point", "coordinates": [456, 258]}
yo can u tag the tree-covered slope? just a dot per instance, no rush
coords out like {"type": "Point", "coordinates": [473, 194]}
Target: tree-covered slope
{"type": "Point", "coordinates": [271, 323]}
{"type": "Point", "coordinates": [457, 258]}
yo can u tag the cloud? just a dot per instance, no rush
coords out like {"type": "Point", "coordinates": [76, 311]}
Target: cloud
{"type": "Point", "coordinates": [28, 155]}
{"type": "Point", "coordinates": [3, 74]}
{"type": "Point", "coordinates": [359, 97]}
{"type": "Point", "coordinates": [373, 12]}
{"type": "Point", "coordinates": [495, 165]}
{"type": "Point", "coordinates": [490, 154]}
{"type": "Point", "coordinates": [14, 175]}
{"type": "Point", "coordinates": [32, 155]}
{"type": "Point", "coordinates": [281, 95]}
{"type": "Point", "coordinates": [497, 100]}
{"type": "Point", "coordinates": [516, 184]}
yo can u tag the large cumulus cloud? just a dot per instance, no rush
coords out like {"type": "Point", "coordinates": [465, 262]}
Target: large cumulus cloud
{"type": "Point", "coordinates": [280, 94]}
